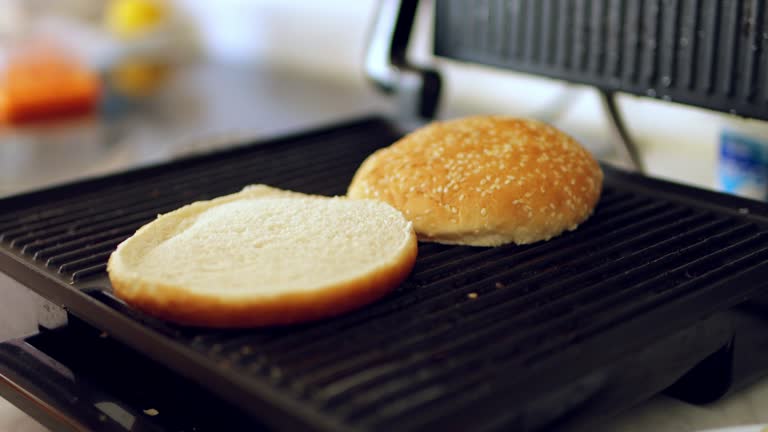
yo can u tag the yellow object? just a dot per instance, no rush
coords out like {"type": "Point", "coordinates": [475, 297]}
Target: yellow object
{"type": "Point", "coordinates": [132, 18]}
{"type": "Point", "coordinates": [137, 78]}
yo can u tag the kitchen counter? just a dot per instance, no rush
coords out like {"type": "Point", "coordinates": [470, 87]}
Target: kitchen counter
{"type": "Point", "coordinates": [197, 109]}
{"type": "Point", "coordinates": [211, 107]}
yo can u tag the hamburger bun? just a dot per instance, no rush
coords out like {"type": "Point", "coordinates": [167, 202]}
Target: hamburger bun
{"type": "Point", "coordinates": [263, 257]}
{"type": "Point", "coordinates": [484, 181]}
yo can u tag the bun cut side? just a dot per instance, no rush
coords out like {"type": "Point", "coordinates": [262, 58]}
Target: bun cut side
{"type": "Point", "coordinates": [484, 181]}
{"type": "Point", "coordinates": [264, 257]}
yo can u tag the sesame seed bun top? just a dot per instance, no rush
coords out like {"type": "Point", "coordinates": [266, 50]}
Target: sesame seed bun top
{"type": "Point", "coordinates": [484, 181]}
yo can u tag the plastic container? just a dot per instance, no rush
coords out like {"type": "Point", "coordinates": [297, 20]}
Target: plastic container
{"type": "Point", "coordinates": [742, 163]}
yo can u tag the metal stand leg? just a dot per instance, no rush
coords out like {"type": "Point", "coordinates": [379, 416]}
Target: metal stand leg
{"type": "Point", "coordinates": [619, 130]}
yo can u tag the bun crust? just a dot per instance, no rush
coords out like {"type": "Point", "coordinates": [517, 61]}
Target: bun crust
{"type": "Point", "coordinates": [263, 257]}
{"type": "Point", "coordinates": [177, 304]}
{"type": "Point", "coordinates": [484, 181]}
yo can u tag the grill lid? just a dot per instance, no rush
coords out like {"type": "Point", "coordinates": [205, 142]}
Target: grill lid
{"type": "Point", "coordinates": [708, 53]}
{"type": "Point", "coordinates": [472, 328]}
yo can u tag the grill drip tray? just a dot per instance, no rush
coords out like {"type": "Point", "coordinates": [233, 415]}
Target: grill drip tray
{"type": "Point", "coordinates": [596, 319]}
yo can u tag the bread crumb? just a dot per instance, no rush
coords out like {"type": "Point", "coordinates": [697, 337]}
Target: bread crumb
{"type": "Point", "coordinates": [472, 295]}
{"type": "Point", "coordinates": [499, 285]}
{"type": "Point", "coordinates": [151, 412]}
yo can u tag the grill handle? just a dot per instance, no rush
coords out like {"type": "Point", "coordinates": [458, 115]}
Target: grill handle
{"type": "Point", "coordinates": [386, 64]}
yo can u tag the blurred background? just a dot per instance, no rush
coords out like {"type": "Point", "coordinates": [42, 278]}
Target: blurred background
{"type": "Point", "coordinates": [92, 86]}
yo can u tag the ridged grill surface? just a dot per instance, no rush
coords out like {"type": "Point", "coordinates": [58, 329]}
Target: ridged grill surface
{"type": "Point", "coordinates": [710, 53]}
{"type": "Point", "coordinates": [440, 341]}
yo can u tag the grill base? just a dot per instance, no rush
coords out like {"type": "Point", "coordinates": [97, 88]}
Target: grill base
{"type": "Point", "coordinates": [553, 326]}
{"type": "Point", "coordinates": [61, 383]}
{"type": "Point", "coordinates": [75, 375]}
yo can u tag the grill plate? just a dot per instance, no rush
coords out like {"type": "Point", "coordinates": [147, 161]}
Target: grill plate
{"type": "Point", "coordinates": [654, 259]}
{"type": "Point", "coordinates": [708, 53]}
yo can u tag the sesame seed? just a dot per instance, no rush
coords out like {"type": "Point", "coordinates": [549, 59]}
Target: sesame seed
{"type": "Point", "coordinates": [472, 295]}
{"type": "Point", "coordinates": [483, 211]}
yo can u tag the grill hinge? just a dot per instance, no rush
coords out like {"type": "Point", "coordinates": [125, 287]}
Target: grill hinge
{"type": "Point", "coordinates": [417, 89]}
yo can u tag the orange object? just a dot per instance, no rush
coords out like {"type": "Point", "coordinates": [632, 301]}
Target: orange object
{"type": "Point", "coordinates": [41, 84]}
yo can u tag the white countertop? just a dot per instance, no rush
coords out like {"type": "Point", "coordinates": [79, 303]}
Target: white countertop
{"type": "Point", "coordinates": [13, 420]}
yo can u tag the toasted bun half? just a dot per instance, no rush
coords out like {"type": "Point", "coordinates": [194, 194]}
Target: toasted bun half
{"type": "Point", "coordinates": [264, 257]}
{"type": "Point", "coordinates": [484, 181]}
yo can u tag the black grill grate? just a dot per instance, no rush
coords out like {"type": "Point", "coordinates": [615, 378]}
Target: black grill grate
{"type": "Point", "coordinates": [470, 323]}
{"type": "Point", "coordinates": [709, 53]}
{"type": "Point", "coordinates": [76, 237]}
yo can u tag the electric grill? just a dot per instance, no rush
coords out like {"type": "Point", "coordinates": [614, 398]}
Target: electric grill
{"type": "Point", "coordinates": [661, 290]}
